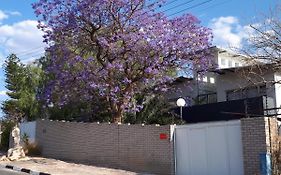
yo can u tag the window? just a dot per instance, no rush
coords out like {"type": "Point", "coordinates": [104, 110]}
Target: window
{"type": "Point", "coordinates": [223, 62]}
{"type": "Point", "coordinates": [212, 98]}
{"type": "Point", "coordinates": [205, 79]}
{"type": "Point", "coordinates": [262, 90]}
{"type": "Point", "coordinates": [233, 95]}
{"type": "Point", "coordinates": [237, 65]}
{"type": "Point", "coordinates": [202, 99]}
{"type": "Point", "coordinates": [250, 92]}
{"type": "Point", "coordinates": [229, 63]}
{"type": "Point", "coordinates": [207, 98]}
{"type": "Point", "coordinates": [212, 80]}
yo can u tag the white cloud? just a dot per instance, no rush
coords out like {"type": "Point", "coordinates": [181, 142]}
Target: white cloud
{"type": "Point", "coordinates": [6, 14]}
{"type": "Point", "coordinates": [3, 97]}
{"type": "Point", "coordinates": [22, 38]}
{"type": "Point", "coordinates": [15, 13]}
{"type": "Point", "coordinates": [3, 92]}
{"type": "Point", "coordinates": [1, 57]}
{"type": "Point", "coordinates": [3, 16]}
{"type": "Point", "coordinates": [228, 32]}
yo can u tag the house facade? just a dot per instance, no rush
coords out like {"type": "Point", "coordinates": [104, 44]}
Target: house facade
{"type": "Point", "coordinates": [234, 77]}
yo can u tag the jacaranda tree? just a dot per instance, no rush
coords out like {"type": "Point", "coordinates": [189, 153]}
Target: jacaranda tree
{"type": "Point", "coordinates": [115, 49]}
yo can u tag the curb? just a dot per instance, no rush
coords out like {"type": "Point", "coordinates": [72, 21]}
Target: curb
{"type": "Point", "coordinates": [24, 170]}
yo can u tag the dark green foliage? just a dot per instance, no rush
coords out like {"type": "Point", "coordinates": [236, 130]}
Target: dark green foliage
{"type": "Point", "coordinates": [156, 110]}
{"type": "Point", "coordinates": [6, 128]}
{"type": "Point", "coordinates": [22, 83]}
{"type": "Point", "coordinates": [94, 111]}
{"type": "Point", "coordinates": [28, 101]}
{"type": "Point", "coordinates": [14, 72]}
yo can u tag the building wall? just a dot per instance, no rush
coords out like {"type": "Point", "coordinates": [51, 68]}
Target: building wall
{"type": "Point", "coordinates": [258, 137]}
{"type": "Point", "coordinates": [205, 82]}
{"type": "Point", "coordinates": [132, 147]}
{"type": "Point", "coordinates": [228, 60]}
{"type": "Point", "coordinates": [277, 77]}
{"type": "Point", "coordinates": [237, 80]}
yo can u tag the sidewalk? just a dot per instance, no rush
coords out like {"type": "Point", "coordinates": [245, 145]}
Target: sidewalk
{"type": "Point", "coordinates": [57, 167]}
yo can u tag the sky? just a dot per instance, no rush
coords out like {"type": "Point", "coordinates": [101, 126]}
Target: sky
{"type": "Point", "coordinates": [228, 19]}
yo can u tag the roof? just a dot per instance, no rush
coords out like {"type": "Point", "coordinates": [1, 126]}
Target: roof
{"type": "Point", "coordinates": [180, 80]}
{"type": "Point", "coordinates": [267, 66]}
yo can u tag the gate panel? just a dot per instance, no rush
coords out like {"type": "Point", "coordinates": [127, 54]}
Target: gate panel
{"type": "Point", "coordinates": [216, 147]}
{"type": "Point", "coordinates": [197, 152]}
{"type": "Point", "coordinates": [236, 150]}
{"type": "Point", "coordinates": [184, 149]}
{"type": "Point", "coordinates": [209, 149]}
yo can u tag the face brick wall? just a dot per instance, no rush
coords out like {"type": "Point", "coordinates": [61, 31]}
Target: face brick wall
{"type": "Point", "coordinates": [258, 136]}
{"type": "Point", "coordinates": [132, 147]}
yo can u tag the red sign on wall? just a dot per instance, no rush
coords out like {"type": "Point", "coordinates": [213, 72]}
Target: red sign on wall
{"type": "Point", "coordinates": [163, 136]}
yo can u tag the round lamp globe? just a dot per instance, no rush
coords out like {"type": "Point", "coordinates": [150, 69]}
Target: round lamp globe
{"type": "Point", "coordinates": [180, 102]}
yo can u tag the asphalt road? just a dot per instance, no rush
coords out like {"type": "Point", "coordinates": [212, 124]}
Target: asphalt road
{"type": "Point", "coordinates": [5, 171]}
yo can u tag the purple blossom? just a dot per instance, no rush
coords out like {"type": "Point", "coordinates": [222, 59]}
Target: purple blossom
{"type": "Point", "coordinates": [97, 46]}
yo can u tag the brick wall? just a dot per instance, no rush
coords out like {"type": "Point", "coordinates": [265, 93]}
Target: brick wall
{"type": "Point", "coordinates": [258, 136]}
{"type": "Point", "coordinates": [132, 147]}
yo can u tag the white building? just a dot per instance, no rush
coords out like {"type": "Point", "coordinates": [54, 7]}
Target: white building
{"type": "Point", "coordinates": [234, 77]}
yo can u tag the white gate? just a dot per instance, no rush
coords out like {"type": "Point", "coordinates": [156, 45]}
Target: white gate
{"type": "Point", "coordinates": [213, 148]}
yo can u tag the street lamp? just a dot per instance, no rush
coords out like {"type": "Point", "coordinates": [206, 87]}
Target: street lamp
{"type": "Point", "coordinates": [181, 103]}
{"type": "Point", "coordinates": [50, 105]}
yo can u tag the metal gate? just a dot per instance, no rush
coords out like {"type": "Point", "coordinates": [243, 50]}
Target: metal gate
{"type": "Point", "coordinates": [213, 148]}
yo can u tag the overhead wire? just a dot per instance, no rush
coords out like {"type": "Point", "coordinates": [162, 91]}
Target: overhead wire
{"type": "Point", "coordinates": [35, 56]}
{"type": "Point", "coordinates": [165, 4]}
{"type": "Point", "coordinates": [30, 50]}
{"type": "Point", "coordinates": [191, 7]}
{"type": "Point", "coordinates": [215, 5]}
{"type": "Point", "coordinates": [152, 10]}
{"type": "Point", "coordinates": [34, 50]}
{"type": "Point", "coordinates": [179, 5]}
{"type": "Point", "coordinates": [30, 53]}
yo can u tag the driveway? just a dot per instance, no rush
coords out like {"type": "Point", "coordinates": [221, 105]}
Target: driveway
{"type": "Point", "coordinates": [57, 167]}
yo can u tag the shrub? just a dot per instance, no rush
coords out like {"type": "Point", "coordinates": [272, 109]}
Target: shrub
{"type": "Point", "coordinates": [31, 149]}
{"type": "Point", "coordinates": [6, 128]}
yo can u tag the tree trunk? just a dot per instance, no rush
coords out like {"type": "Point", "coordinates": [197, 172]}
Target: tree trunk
{"type": "Point", "coordinates": [117, 117]}
{"type": "Point", "coordinates": [117, 114]}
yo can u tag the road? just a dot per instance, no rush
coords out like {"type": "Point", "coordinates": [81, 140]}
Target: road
{"type": "Point", "coordinates": [5, 171]}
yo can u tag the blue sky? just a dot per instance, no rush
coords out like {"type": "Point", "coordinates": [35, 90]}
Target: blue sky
{"type": "Point", "coordinates": [229, 20]}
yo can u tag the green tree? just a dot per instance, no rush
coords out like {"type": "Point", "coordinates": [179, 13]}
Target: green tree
{"type": "Point", "coordinates": [14, 72]}
{"type": "Point", "coordinates": [6, 128]}
{"type": "Point", "coordinates": [28, 100]}
{"type": "Point", "coordinates": [22, 83]}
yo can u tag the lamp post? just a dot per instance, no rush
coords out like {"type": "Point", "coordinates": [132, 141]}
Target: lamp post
{"type": "Point", "coordinates": [50, 105]}
{"type": "Point", "coordinates": [181, 103]}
